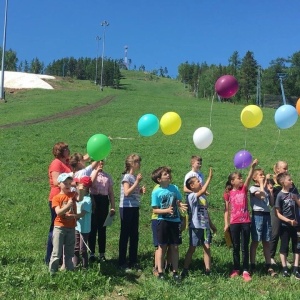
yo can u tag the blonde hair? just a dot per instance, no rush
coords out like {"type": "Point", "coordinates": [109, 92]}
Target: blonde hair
{"type": "Point", "coordinates": [195, 158]}
{"type": "Point", "coordinates": [130, 160]}
{"type": "Point", "coordinates": [276, 166]}
{"type": "Point", "coordinates": [255, 173]}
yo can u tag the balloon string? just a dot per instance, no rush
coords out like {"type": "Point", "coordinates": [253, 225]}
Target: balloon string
{"type": "Point", "coordinates": [245, 138]}
{"type": "Point", "coordinates": [211, 106]}
{"type": "Point", "coordinates": [276, 144]}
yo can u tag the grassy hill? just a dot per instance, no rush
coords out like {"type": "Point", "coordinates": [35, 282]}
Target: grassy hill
{"type": "Point", "coordinates": [26, 153]}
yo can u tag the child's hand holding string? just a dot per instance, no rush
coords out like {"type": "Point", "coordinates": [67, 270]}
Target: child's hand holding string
{"type": "Point", "coordinates": [112, 211]}
{"type": "Point", "coordinates": [169, 210]}
{"type": "Point", "coordinates": [143, 190]}
{"type": "Point", "coordinates": [293, 223]}
{"type": "Point", "coordinates": [182, 206]}
{"type": "Point", "coordinates": [139, 177]}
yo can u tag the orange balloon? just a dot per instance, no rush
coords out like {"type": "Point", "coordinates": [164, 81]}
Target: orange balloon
{"type": "Point", "coordinates": [298, 106]}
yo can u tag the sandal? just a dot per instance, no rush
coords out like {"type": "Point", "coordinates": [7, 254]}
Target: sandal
{"type": "Point", "coordinates": [272, 273]}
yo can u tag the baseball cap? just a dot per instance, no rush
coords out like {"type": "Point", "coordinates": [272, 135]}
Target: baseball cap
{"type": "Point", "coordinates": [85, 180]}
{"type": "Point", "coordinates": [63, 176]}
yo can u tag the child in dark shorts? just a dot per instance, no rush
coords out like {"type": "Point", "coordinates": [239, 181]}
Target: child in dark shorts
{"type": "Point", "coordinates": [165, 201]}
{"type": "Point", "coordinates": [286, 206]}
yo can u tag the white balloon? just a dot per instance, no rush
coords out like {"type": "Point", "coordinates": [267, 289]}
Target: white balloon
{"type": "Point", "coordinates": [202, 137]}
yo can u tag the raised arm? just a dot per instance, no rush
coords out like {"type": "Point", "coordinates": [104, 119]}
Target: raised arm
{"type": "Point", "coordinates": [250, 174]}
{"type": "Point", "coordinates": [205, 186]}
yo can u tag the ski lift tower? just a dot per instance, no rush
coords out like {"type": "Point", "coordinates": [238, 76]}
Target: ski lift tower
{"type": "Point", "coordinates": [258, 87]}
{"type": "Point", "coordinates": [125, 57]}
{"type": "Point", "coordinates": [281, 76]}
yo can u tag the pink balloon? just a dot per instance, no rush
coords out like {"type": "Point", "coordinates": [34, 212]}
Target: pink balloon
{"type": "Point", "coordinates": [226, 86]}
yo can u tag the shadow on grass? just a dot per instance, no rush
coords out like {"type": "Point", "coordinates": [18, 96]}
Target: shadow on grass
{"type": "Point", "coordinates": [6, 260]}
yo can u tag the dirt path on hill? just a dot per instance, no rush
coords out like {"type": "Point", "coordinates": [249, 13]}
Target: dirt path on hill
{"type": "Point", "coordinates": [62, 115]}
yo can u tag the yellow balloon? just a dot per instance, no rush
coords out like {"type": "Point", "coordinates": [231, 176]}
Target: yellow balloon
{"type": "Point", "coordinates": [251, 116]}
{"type": "Point", "coordinates": [170, 123]}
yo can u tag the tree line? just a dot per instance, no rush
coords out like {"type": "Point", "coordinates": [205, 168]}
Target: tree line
{"type": "Point", "coordinates": [199, 78]}
{"type": "Point", "coordinates": [253, 80]}
{"type": "Point", "coordinates": [81, 68]}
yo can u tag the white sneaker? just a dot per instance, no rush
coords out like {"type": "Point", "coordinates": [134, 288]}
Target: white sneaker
{"type": "Point", "coordinates": [273, 262]}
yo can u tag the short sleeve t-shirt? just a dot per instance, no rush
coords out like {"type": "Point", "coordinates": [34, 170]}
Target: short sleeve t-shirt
{"type": "Point", "coordinates": [154, 216]}
{"type": "Point", "coordinates": [133, 200]}
{"type": "Point", "coordinates": [238, 205]}
{"type": "Point", "coordinates": [56, 166]}
{"type": "Point", "coordinates": [87, 171]}
{"type": "Point", "coordinates": [256, 203]}
{"type": "Point", "coordinates": [165, 197]}
{"type": "Point", "coordinates": [198, 211]}
{"type": "Point", "coordinates": [286, 205]}
{"type": "Point", "coordinates": [102, 184]}
{"type": "Point", "coordinates": [61, 200]}
{"type": "Point", "coordinates": [84, 223]}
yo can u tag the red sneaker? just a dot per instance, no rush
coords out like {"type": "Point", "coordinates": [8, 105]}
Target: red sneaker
{"type": "Point", "coordinates": [234, 273]}
{"type": "Point", "coordinates": [246, 276]}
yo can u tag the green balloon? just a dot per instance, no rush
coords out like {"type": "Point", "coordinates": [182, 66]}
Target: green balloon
{"type": "Point", "coordinates": [98, 146]}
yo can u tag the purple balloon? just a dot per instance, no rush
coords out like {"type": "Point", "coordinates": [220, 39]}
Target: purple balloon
{"type": "Point", "coordinates": [226, 86]}
{"type": "Point", "coordinates": [242, 159]}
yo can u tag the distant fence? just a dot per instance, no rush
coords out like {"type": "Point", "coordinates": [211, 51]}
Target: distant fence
{"type": "Point", "coordinates": [274, 101]}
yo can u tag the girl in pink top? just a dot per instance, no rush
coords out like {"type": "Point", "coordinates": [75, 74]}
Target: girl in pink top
{"type": "Point", "coordinates": [102, 194]}
{"type": "Point", "coordinates": [236, 207]}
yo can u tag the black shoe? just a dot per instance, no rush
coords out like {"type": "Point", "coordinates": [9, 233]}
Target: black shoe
{"type": "Point", "coordinates": [102, 259]}
{"type": "Point", "coordinates": [286, 274]}
{"type": "Point", "coordinates": [161, 276]}
{"type": "Point", "coordinates": [184, 273]}
{"type": "Point", "coordinates": [136, 267]}
{"type": "Point", "coordinates": [168, 268]}
{"type": "Point", "coordinates": [207, 273]}
{"type": "Point", "coordinates": [176, 277]}
{"type": "Point", "coordinates": [92, 258]}
{"type": "Point", "coordinates": [125, 268]}
{"type": "Point", "coordinates": [296, 275]}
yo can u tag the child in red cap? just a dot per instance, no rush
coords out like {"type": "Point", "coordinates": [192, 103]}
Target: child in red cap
{"type": "Point", "coordinates": [83, 227]}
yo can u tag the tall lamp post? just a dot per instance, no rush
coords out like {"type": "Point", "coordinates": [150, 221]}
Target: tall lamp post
{"type": "Point", "coordinates": [281, 77]}
{"type": "Point", "coordinates": [97, 39]}
{"type": "Point", "coordinates": [2, 95]}
{"type": "Point", "coordinates": [105, 24]}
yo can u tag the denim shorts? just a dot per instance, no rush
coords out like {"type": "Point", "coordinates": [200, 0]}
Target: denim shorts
{"type": "Point", "coordinates": [199, 236]}
{"type": "Point", "coordinates": [261, 229]}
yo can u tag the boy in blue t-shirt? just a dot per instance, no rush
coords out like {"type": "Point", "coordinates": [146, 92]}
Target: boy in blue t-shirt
{"type": "Point", "coordinates": [165, 201]}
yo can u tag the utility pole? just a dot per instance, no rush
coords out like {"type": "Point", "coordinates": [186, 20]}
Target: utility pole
{"type": "Point", "coordinates": [258, 88]}
{"type": "Point", "coordinates": [125, 57]}
{"type": "Point", "coordinates": [281, 77]}
{"type": "Point", "coordinates": [97, 39]}
{"type": "Point", "coordinates": [2, 94]}
{"type": "Point", "coordinates": [105, 24]}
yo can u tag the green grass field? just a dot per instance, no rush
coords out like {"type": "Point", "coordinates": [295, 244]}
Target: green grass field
{"type": "Point", "coordinates": [26, 154]}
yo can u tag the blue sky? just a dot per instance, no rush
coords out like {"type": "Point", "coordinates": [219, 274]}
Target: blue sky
{"type": "Point", "coordinates": [158, 32]}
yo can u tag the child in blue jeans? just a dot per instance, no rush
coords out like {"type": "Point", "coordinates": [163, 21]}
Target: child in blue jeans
{"type": "Point", "coordinates": [261, 197]}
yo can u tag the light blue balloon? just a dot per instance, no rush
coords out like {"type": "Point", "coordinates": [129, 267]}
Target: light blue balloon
{"type": "Point", "coordinates": [286, 116]}
{"type": "Point", "coordinates": [148, 125]}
